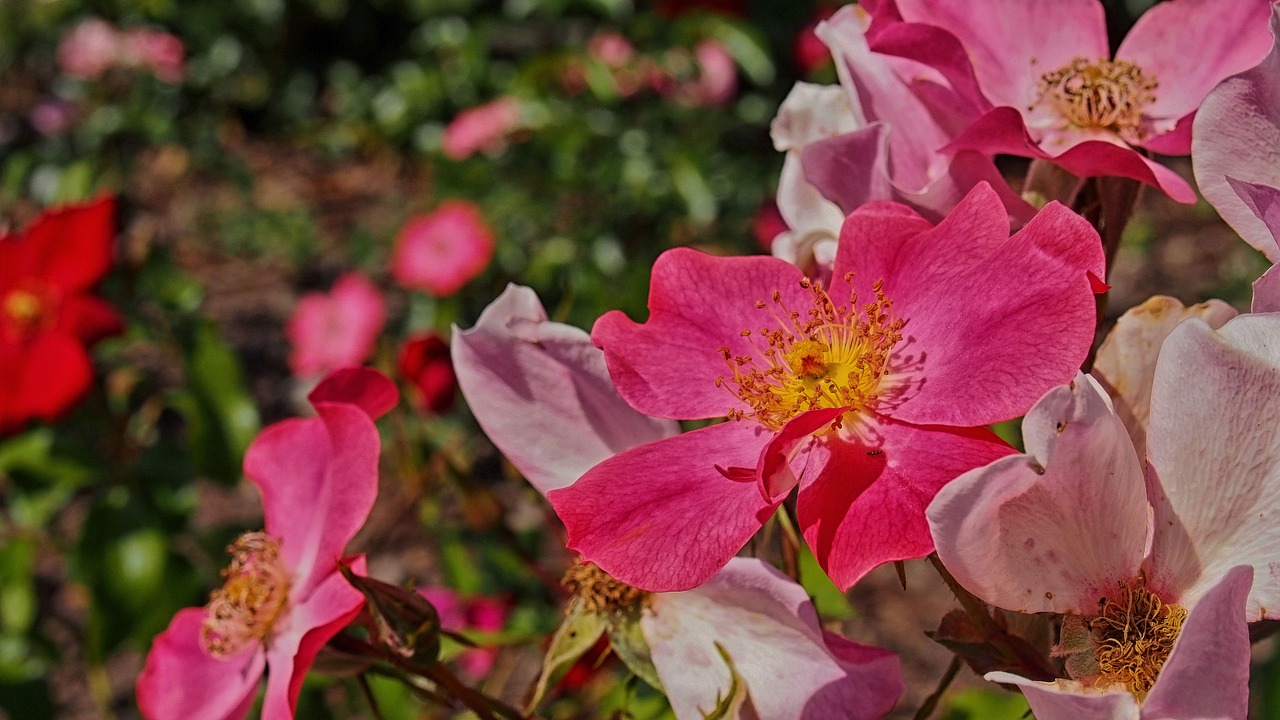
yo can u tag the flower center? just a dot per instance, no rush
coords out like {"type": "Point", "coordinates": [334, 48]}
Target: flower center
{"type": "Point", "coordinates": [598, 590]}
{"type": "Point", "coordinates": [1133, 635]}
{"type": "Point", "coordinates": [832, 356]}
{"type": "Point", "coordinates": [25, 309]}
{"type": "Point", "coordinates": [1106, 94]}
{"type": "Point", "coordinates": [246, 607]}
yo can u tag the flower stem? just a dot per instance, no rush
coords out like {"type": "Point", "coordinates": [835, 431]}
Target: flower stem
{"type": "Point", "coordinates": [931, 703]}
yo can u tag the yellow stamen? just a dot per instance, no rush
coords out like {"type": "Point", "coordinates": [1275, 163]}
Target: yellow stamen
{"type": "Point", "coordinates": [1105, 94]}
{"type": "Point", "coordinates": [23, 307]}
{"type": "Point", "coordinates": [1133, 635]}
{"type": "Point", "coordinates": [598, 590]}
{"type": "Point", "coordinates": [246, 607]}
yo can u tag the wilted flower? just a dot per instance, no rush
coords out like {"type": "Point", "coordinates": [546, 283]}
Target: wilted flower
{"type": "Point", "coordinates": [48, 317]}
{"type": "Point", "coordinates": [481, 128]}
{"type": "Point", "coordinates": [284, 596]}
{"type": "Point", "coordinates": [335, 329]}
{"type": "Point", "coordinates": [425, 363]}
{"type": "Point", "coordinates": [443, 250]}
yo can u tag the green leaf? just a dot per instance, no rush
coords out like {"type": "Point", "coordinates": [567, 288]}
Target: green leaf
{"type": "Point", "coordinates": [729, 706]}
{"type": "Point", "coordinates": [630, 645]}
{"type": "Point", "coordinates": [575, 636]}
{"type": "Point", "coordinates": [221, 416]}
{"type": "Point", "coordinates": [747, 47]}
{"type": "Point", "coordinates": [827, 598]}
{"type": "Point", "coordinates": [984, 704]}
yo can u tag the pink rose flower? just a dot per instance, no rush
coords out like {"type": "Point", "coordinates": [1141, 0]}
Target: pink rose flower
{"type": "Point", "coordinates": [443, 250]}
{"type": "Point", "coordinates": [481, 128]}
{"type": "Point", "coordinates": [459, 615]}
{"type": "Point", "coordinates": [1145, 566]}
{"type": "Point", "coordinates": [284, 596]}
{"type": "Point", "coordinates": [335, 329]}
{"type": "Point", "coordinates": [1044, 73]}
{"type": "Point", "coordinates": [515, 364]}
{"type": "Point", "coordinates": [611, 48]}
{"type": "Point", "coordinates": [866, 394]}
{"type": "Point", "coordinates": [159, 52]}
{"type": "Point", "coordinates": [89, 49]}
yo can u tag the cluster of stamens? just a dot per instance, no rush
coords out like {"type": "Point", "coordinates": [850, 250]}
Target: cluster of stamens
{"type": "Point", "coordinates": [1106, 94]}
{"type": "Point", "coordinates": [1133, 635]}
{"type": "Point", "coordinates": [830, 356]}
{"type": "Point", "coordinates": [245, 608]}
{"type": "Point", "coordinates": [600, 592]}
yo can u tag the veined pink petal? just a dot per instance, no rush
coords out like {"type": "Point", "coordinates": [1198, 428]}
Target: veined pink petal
{"type": "Point", "coordinates": [1266, 292]}
{"type": "Point", "coordinates": [318, 478]}
{"type": "Point", "coordinates": [1237, 133]}
{"type": "Point", "coordinates": [1067, 700]}
{"type": "Point", "coordinates": [1011, 43]}
{"type": "Point", "coordinates": [311, 622]}
{"type": "Point", "coordinates": [767, 625]}
{"type": "Point", "coordinates": [1215, 459]}
{"type": "Point", "coordinates": [365, 388]}
{"type": "Point", "coordinates": [541, 392]}
{"type": "Point", "coordinates": [668, 515]}
{"type": "Point", "coordinates": [181, 680]}
{"type": "Point", "coordinates": [668, 366]}
{"type": "Point", "coordinates": [1207, 674]}
{"type": "Point", "coordinates": [1159, 40]}
{"type": "Point", "coordinates": [774, 472]}
{"type": "Point", "coordinates": [1054, 529]}
{"type": "Point", "coordinates": [981, 342]}
{"type": "Point", "coordinates": [1126, 361]}
{"type": "Point", "coordinates": [863, 497]}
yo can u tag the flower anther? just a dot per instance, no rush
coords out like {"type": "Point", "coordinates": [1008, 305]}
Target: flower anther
{"type": "Point", "coordinates": [1133, 634]}
{"type": "Point", "coordinates": [599, 591]}
{"type": "Point", "coordinates": [246, 607]}
{"type": "Point", "coordinates": [1103, 94]}
{"type": "Point", "coordinates": [830, 356]}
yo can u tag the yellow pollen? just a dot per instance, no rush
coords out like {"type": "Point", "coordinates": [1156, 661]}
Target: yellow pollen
{"type": "Point", "coordinates": [23, 306]}
{"type": "Point", "coordinates": [1133, 635]}
{"type": "Point", "coordinates": [598, 590]}
{"type": "Point", "coordinates": [1105, 94]}
{"type": "Point", "coordinates": [246, 607]}
{"type": "Point", "coordinates": [829, 356]}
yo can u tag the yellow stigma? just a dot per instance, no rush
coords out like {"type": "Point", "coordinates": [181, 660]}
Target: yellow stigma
{"type": "Point", "coordinates": [1133, 635]}
{"type": "Point", "coordinates": [830, 356]}
{"type": "Point", "coordinates": [599, 592]}
{"type": "Point", "coordinates": [1105, 94]}
{"type": "Point", "coordinates": [245, 608]}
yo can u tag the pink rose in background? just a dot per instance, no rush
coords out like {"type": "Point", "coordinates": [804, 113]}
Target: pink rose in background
{"type": "Point", "coordinates": [52, 116]}
{"type": "Point", "coordinates": [89, 49]}
{"type": "Point", "coordinates": [284, 596]}
{"type": "Point", "coordinates": [335, 329]}
{"type": "Point", "coordinates": [515, 364]}
{"type": "Point", "coordinates": [868, 395]}
{"type": "Point", "coordinates": [611, 48]}
{"type": "Point", "coordinates": [459, 615]}
{"type": "Point", "coordinates": [160, 52]}
{"type": "Point", "coordinates": [481, 128]}
{"type": "Point", "coordinates": [1043, 72]}
{"type": "Point", "coordinates": [808, 50]}
{"type": "Point", "coordinates": [717, 80]}
{"type": "Point", "coordinates": [424, 362]}
{"type": "Point", "coordinates": [441, 251]}
{"type": "Point", "coordinates": [767, 224]}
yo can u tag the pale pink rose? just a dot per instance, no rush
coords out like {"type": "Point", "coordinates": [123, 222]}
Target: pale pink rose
{"type": "Point", "coordinates": [335, 329]}
{"type": "Point", "coordinates": [160, 52]}
{"type": "Point", "coordinates": [717, 81]}
{"type": "Point", "coordinates": [515, 364]}
{"type": "Point", "coordinates": [1076, 527]}
{"type": "Point", "coordinates": [284, 596]}
{"type": "Point", "coordinates": [481, 128]}
{"type": "Point", "coordinates": [611, 48]}
{"type": "Point", "coordinates": [1043, 72]}
{"type": "Point", "coordinates": [89, 49]}
{"type": "Point", "coordinates": [441, 251]}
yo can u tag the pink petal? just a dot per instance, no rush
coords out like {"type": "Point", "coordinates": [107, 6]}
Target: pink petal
{"type": "Point", "coordinates": [774, 471]}
{"type": "Point", "coordinates": [666, 516]}
{"type": "Point", "coordinates": [993, 321]}
{"type": "Point", "coordinates": [312, 621]}
{"type": "Point", "coordinates": [1207, 674]}
{"type": "Point", "coordinates": [1159, 40]}
{"type": "Point", "coordinates": [1011, 43]}
{"type": "Point", "coordinates": [862, 500]}
{"type": "Point", "coordinates": [337, 329]}
{"type": "Point", "coordinates": [1263, 201]}
{"type": "Point", "coordinates": [318, 478]}
{"type": "Point", "coordinates": [811, 113]}
{"type": "Point", "coordinates": [1215, 459]}
{"type": "Point", "coordinates": [767, 625]}
{"type": "Point", "coordinates": [1237, 134]}
{"type": "Point", "coordinates": [181, 680]}
{"type": "Point", "coordinates": [669, 365]}
{"type": "Point", "coordinates": [1067, 700]}
{"type": "Point", "coordinates": [1126, 361]}
{"type": "Point", "coordinates": [365, 388]}
{"type": "Point", "coordinates": [442, 251]}
{"type": "Point", "coordinates": [1054, 529]}
{"type": "Point", "coordinates": [515, 365]}
{"type": "Point", "coordinates": [1266, 292]}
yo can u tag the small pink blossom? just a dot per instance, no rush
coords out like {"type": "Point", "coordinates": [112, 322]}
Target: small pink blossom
{"type": "Point", "coordinates": [481, 128]}
{"type": "Point", "coordinates": [335, 329]}
{"type": "Point", "coordinates": [867, 394]}
{"type": "Point", "coordinates": [52, 116]}
{"type": "Point", "coordinates": [1043, 72]}
{"type": "Point", "coordinates": [611, 48]}
{"type": "Point", "coordinates": [515, 364]}
{"type": "Point", "coordinates": [717, 80]}
{"type": "Point", "coordinates": [89, 49]}
{"type": "Point", "coordinates": [443, 250]}
{"type": "Point", "coordinates": [284, 595]}
{"type": "Point", "coordinates": [160, 52]}
{"type": "Point", "coordinates": [459, 615]}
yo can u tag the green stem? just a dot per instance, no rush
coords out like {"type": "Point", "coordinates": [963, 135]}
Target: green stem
{"type": "Point", "coordinates": [931, 703]}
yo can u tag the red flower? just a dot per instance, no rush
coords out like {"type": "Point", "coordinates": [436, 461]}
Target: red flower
{"type": "Point", "coordinates": [425, 363]}
{"type": "Point", "coordinates": [47, 316]}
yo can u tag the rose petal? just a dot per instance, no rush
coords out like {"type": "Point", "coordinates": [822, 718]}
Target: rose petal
{"type": "Point", "coordinates": [181, 680]}
{"type": "Point", "coordinates": [365, 388]}
{"type": "Point", "coordinates": [1266, 292]}
{"type": "Point", "coordinates": [1067, 700]}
